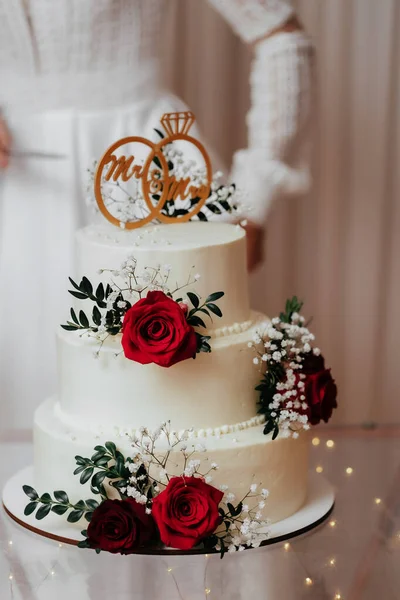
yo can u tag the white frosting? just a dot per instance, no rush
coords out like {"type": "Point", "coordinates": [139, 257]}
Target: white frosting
{"type": "Point", "coordinates": [215, 251]}
{"type": "Point", "coordinates": [244, 457]}
{"type": "Point", "coordinates": [204, 393]}
{"type": "Point", "coordinates": [105, 398]}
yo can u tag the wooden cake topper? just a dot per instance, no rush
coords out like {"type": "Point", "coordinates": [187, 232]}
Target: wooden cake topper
{"type": "Point", "coordinates": [161, 186]}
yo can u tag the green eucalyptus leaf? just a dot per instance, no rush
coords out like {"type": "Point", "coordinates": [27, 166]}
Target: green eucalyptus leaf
{"type": "Point", "coordinates": [75, 285]}
{"type": "Point", "coordinates": [214, 208]}
{"type": "Point", "coordinates": [43, 511]}
{"type": "Point", "coordinates": [276, 432]}
{"type": "Point", "coordinates": [79, 469]}
{"type": "Point", "coordinates": [61, 496]}
{"type": "Point", "coordinates": [70, 327]}
{"type": "Point", "coordinates": [96, 316]}
{"type": "Point", "coordinates": [74, 516]}
{"type": "Point", "coordinates": [74, 317]}
{"type": "Point", "coordinates": [214, 309]}
{"type": "Point", "coordinates": [92, 503]}
{"type": "Point", "coordinates": [30, 508]}
{"type": "Point", "coordinates": [215, 296]}
{"type": "Point", "coordinates": [98, 479]}
{"type": "Point", "coordinates": [80, 460]}
{"type": "Point", "coordinates": [88, 516]}
{"type": "Point", "coordinates": [159, 133]}
{"type": "Point", "coordinates": [59, 509]}
{"type": "Point", "coordinates": [86, 475]}
{"type": "Point", "coordinates": [196, 321]}
{"type": "Point", "coordinates": [111, 447]}
{"type": "Point", "coordinates": [100, 292]}
{"type": "Point", "coordinates": [231, 508]}
{"type": "Point", "coordinates": [30, 492]}
{"type": "Point", "coordinates": [86, 286]}
{"type": "Point", "coordinates": [83, 319]}
{"type": "Point", "coordinates": [45, 498]}
{"type": "Point", "coordinates": [194, 299]}
{"type": "Point", "coordinates": [156, 160]}
{"type": "Point", "coordinates": [78, 295]}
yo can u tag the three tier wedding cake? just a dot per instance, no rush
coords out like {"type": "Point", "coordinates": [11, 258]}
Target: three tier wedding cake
{"type": "Point", "coordinates": [182, 411]}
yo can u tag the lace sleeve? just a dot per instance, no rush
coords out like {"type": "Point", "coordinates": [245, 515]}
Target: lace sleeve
{"type": "Point", "coordinates": [276, 161]}
{"type": "Point", "coordinates": [252, 19]}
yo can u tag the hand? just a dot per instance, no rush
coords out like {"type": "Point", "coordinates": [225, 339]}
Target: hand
{"type": "Point", "coordinates": [255, 235]}
{"type": "Point", "coordinates": [5, 144]}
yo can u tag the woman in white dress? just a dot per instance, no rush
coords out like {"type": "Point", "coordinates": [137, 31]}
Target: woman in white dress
{"type": "Point", "coordinates": [75, 75]}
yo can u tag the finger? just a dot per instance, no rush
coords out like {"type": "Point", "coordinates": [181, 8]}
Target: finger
{"type": "Point", "coordinates": [4, 160]}
{"type": "Point", "coordinates": [5, 143]}
{"type": "Point", "coordinates": [5, 137]}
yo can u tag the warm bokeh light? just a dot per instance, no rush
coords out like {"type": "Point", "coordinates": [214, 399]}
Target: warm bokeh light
{"type": "Point", "coordinates": [378, 501]}
{"type": "Point", "coordinates": [308, 581]}
{"type": "Point", "coordinates": [349, 470]}
{"type": "Point", "coordinates": [287, 546]}
{"type": "Point", "coordinates": [316, 441]}
{"type": "Point", "coordinates": [319, 469]}
{"type": "Point", "coordinates": [330, 444]}
{"type": "Point", "coordinates": [332, 523]}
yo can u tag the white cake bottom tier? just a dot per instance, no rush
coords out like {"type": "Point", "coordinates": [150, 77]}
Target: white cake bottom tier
{"type": "Point", "coordinates": [243, 457]}
{"type": "Point", "coordinates": [206, 392]}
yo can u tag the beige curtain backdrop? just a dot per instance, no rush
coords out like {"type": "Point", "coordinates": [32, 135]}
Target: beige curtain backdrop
{"type": "Point", "coordinates": [339, 248]}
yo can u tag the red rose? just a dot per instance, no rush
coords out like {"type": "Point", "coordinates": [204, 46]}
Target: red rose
{"type": "Point", "coordinates": [186, 512]}
{"type": "Point", "coordinates": [312, 363]}
{"type": "Point", "coordinates": [321, 392]}
{"type": "Point", "coordinates": [155, 330]}
{"type": "Point", "coordinates": [120, 526]}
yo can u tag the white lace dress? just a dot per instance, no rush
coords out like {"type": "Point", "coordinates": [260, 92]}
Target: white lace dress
{"type": "Point", "coordinates": [75, 75]}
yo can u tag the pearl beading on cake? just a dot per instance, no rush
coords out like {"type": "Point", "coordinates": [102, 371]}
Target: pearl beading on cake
{"type": "Point", "coordinates": [202, 433]}
{"type": "Point", "coordinates": [230, 329]}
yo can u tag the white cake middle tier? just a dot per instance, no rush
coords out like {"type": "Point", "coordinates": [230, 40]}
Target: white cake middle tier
{"type": "Point", "coordinates": [113, 392]}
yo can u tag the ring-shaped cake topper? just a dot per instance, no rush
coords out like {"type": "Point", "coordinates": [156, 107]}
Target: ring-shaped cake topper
{"type": "Point", "coordinates": [159, 187]}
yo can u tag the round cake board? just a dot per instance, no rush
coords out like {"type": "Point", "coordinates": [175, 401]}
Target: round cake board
{"type": "Point", "coordinates": [317, 508]}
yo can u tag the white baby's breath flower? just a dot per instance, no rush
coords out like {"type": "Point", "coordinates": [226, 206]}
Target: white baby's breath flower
{"type": "Point", "coordinates": [264, 493]}
{"type": "Point", "coordinates": [253, 488]}
{"type": "Point", "coordinates": [197, 277]}
{"type": "Point", "coordinates": [208, 479]}
{"type": "Point", "coordinates": [256, 360]}
{"type": "Point", "coordinates": [230, 497]}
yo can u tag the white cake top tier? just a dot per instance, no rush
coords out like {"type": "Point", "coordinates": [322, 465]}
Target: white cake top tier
{"type": "Point", "coordinates": [215, 251]}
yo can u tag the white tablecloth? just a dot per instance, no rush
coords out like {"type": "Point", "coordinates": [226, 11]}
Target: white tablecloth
{"type": "Point", "coordinates": [354, 556]}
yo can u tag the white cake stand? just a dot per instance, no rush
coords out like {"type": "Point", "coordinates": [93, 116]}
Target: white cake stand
{"type": "Point", "coordinates": [316, 510]}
